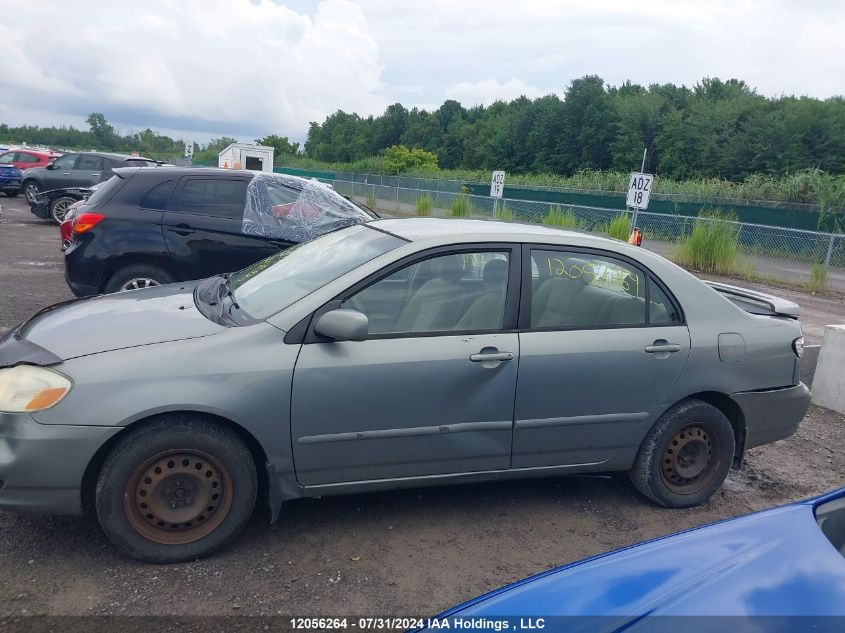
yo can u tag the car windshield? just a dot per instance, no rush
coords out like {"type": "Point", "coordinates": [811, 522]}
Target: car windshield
{"type": "Point", "coordinates": [274, 283]}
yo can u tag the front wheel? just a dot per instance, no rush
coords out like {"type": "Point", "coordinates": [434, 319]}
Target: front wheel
{"type": "Point", "coordinates": [137, 276]}
{"type": "Point", "coordinates": [686, 456]}
{"type": "Point", "coordinates": [177, 489]}
{"type": "Point", "coordinates": [31, 190]}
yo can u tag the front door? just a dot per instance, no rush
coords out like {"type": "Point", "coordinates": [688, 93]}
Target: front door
{"type": "Point", "coordinates": [59, 176]}
{"type": "Point", "coordinates": [431, 390]}
{"type": "Point", "coordinates": [601, 346]}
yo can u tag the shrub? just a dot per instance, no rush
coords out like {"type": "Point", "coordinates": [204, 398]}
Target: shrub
{"type": "Point", "coordinates": [371, 200]}
{"type": "Point", "coordinates": [461, 207]}
{"type": "Point", "coordinates": [620, 227]}
{"type": "Point", "coordinates": [713, 245]}
{"type": "Point", "coordinates": [565, 219]}
{"type": "Point", "coordinates": [400, 159]}
{"type": "Point", "coordinates": [818, 279]}
{"type": "Point", "coordinates": [424, 205]}
{"type": "Point", "coordinates": [504, 214]}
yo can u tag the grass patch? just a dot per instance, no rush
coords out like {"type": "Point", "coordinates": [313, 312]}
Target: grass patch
{"type": "Point", "coordinates": [620, 227]}
{"type": "Point", "coordinates": [561, 218]}
{"type": "Point", "coordinates": [461, 207]}
{"type": "Point", "coordinates": [818, 279]}
{"type": "Point", "coordinates": [713, 245]}
{"type": "Point", "coordinates": [424, 205]}
{"type": "Point", "coordinates": [371, 200]}
{"type": "Point", "coordinates": [504, 214]}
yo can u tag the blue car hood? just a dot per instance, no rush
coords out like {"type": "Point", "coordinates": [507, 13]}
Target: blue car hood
{"type": "Point", "coordinates": [773, 563]}
{"type": "Point", "coordinates": [111, 322]}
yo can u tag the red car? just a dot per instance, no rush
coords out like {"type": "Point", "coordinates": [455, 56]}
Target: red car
{"type": "Point", "coordinates": [28, 158]}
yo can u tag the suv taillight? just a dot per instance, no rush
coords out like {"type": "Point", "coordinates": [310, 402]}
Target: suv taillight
{"type": "Point", "coordinates": [86, 221]}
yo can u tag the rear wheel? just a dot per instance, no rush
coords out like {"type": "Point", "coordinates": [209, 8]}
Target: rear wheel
{"type": "Point", "coordinates": [686, 455]}
{"type": "Point", "coordinates": [138, 276]}
{"type": "Point", "coordinates": [177, 489]}
{"type": "Point", "coordinates": [59, 208]}
{"type": "Point", "coordinates": [30, 190]}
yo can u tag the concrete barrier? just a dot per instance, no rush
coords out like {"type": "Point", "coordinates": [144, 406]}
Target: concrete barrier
{"type": "Point", "coordinates": [829, 379]}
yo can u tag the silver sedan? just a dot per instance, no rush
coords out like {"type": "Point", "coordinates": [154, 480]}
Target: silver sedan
{"type": "Point", "coordinates": [397, 353]}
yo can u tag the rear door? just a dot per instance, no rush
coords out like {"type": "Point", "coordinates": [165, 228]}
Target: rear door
{"type": "Point", "coordinates": [203, 227]}
{"type": "Point", "coordinates": [602, 343]}
{"type": "Point", "coordinates": [87, 171]}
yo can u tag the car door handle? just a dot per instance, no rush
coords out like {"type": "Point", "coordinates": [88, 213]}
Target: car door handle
{"type": "Point", "coordinates": [95, 175]}
{"type": "Point", "coordinates": [65, 173]}
{"type": "Point", "coordinates": [662, 347]}
{"type": "Point", "coordinates": [181, 229]}
{"type": "Point", "coordinates": [491, 357]}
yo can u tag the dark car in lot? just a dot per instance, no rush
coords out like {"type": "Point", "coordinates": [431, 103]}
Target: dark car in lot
{"type": "Point", "coordinates": [152, 226]}
{"type": "Point", "coordinates": [54, 204]}
{"type": "Point", "coordinates": [81, 169]}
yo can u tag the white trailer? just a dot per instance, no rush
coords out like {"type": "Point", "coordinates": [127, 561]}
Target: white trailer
{"type": "Point", "coordinates": [246, 156]}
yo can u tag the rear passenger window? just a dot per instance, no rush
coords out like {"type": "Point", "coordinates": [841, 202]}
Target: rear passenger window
{"type": "Point", "coordinates": [661, 310]}
{"type": "Point", "coordinates": [206, 196]}
{"type": "Point", "coordinates": [157, 197]}
{"type": "Point", "coordinates": [580, 290]}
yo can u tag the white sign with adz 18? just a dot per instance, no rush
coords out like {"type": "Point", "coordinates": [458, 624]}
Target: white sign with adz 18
{"type": "Point", "coordinates": [639, 189]}
{"type": "Point", "coordinates": [497, 184]}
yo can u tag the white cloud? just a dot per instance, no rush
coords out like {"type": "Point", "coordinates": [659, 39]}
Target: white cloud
{"type": "Point", "coordinates": [487, 91]}
{"type": "Point", "coordinates": [242, 67]}
{"type": "Point", "coordinates": [202, 63]}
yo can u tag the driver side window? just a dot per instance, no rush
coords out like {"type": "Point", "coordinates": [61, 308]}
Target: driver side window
{"type": "Point", "coordinates": [450, 293]}
{"type": "Point", "coordinates": [65, 162]}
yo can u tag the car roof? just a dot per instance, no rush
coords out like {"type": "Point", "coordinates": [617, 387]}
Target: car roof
{"type": "Point", "coordinates": [415, 229]}
{"type": "Point", "coordinates": [113, 155]}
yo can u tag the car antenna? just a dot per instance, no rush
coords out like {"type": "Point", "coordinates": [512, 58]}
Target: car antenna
{"type": "Point", "coordinates": [150, 155]}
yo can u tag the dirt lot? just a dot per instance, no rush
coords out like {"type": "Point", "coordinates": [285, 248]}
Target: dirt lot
{"type": "Point", "coordinates": [399, 553]}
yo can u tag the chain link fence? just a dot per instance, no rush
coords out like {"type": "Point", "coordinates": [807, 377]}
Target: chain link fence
{"type": "Point", "coordinates": [762, 245]}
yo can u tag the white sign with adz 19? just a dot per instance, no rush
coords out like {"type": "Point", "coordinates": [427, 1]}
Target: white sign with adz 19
{"type": "Point", "coordinates": [639, 190]}
{"type": "Point", "coordinates": [497, 184]}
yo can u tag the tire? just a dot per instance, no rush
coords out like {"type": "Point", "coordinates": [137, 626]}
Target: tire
{"type": "Point", "coordinates": [200, 500]}
{"type": "Point", "coordinates": [12, 194]}
{"type": "Point", "coordinates": [59, 208]}
{"type": "Point", "coordinates": [138, 276]}
{"type": "Point", "coordinates": [30, 189]}
{"type": "Point", "coordinates": [686, 455]}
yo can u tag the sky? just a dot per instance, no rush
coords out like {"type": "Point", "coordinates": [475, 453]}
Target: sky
{"type": "Point", "coordinates": [198, 69]}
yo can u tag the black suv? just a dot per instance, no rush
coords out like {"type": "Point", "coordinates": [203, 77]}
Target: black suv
{"type": "Point", "coordinates": [79, 169]}
{"type": "Point", "coordinates": [157, 225]}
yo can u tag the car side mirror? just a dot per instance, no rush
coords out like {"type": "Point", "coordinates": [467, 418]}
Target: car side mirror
{"type": "Point", "coordinates": [50, 166]}
{"type": "Point", "coordinates": [343, 325]}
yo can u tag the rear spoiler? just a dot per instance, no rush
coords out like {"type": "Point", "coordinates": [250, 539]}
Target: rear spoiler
{"type": "Point", "coordinates": [774, 305]}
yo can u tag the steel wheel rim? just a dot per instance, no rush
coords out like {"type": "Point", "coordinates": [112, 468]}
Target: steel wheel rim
{"type": "Point", "coordinates": [30, 191]}
{"type": "Point", "coordinates": [178, 497]}
{"type": "Point", "coordinates": [138, 283]}
{"type": "Point", "coordinates": [60, 208]}
{"type": "Point", "coordinates": [689, 459]}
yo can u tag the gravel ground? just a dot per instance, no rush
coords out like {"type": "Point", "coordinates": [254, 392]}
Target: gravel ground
{"type": "Point", "coordinates": [397, 553]}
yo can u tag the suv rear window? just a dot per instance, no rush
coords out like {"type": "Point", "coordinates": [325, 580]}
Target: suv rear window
{"type": "Point", "coordinates": [106, 190]}
{"type": "Point", "coordinates": [208, 196]}
{"type": "Point", "coordinates": [157, 197]}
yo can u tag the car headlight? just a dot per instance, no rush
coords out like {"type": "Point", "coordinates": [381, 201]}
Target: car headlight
{"type": "Point", "coordinates": [26, 388]}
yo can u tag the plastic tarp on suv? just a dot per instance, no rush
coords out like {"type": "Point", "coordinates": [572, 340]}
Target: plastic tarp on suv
{"type": "Point", "coordinates": [293, 209]}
